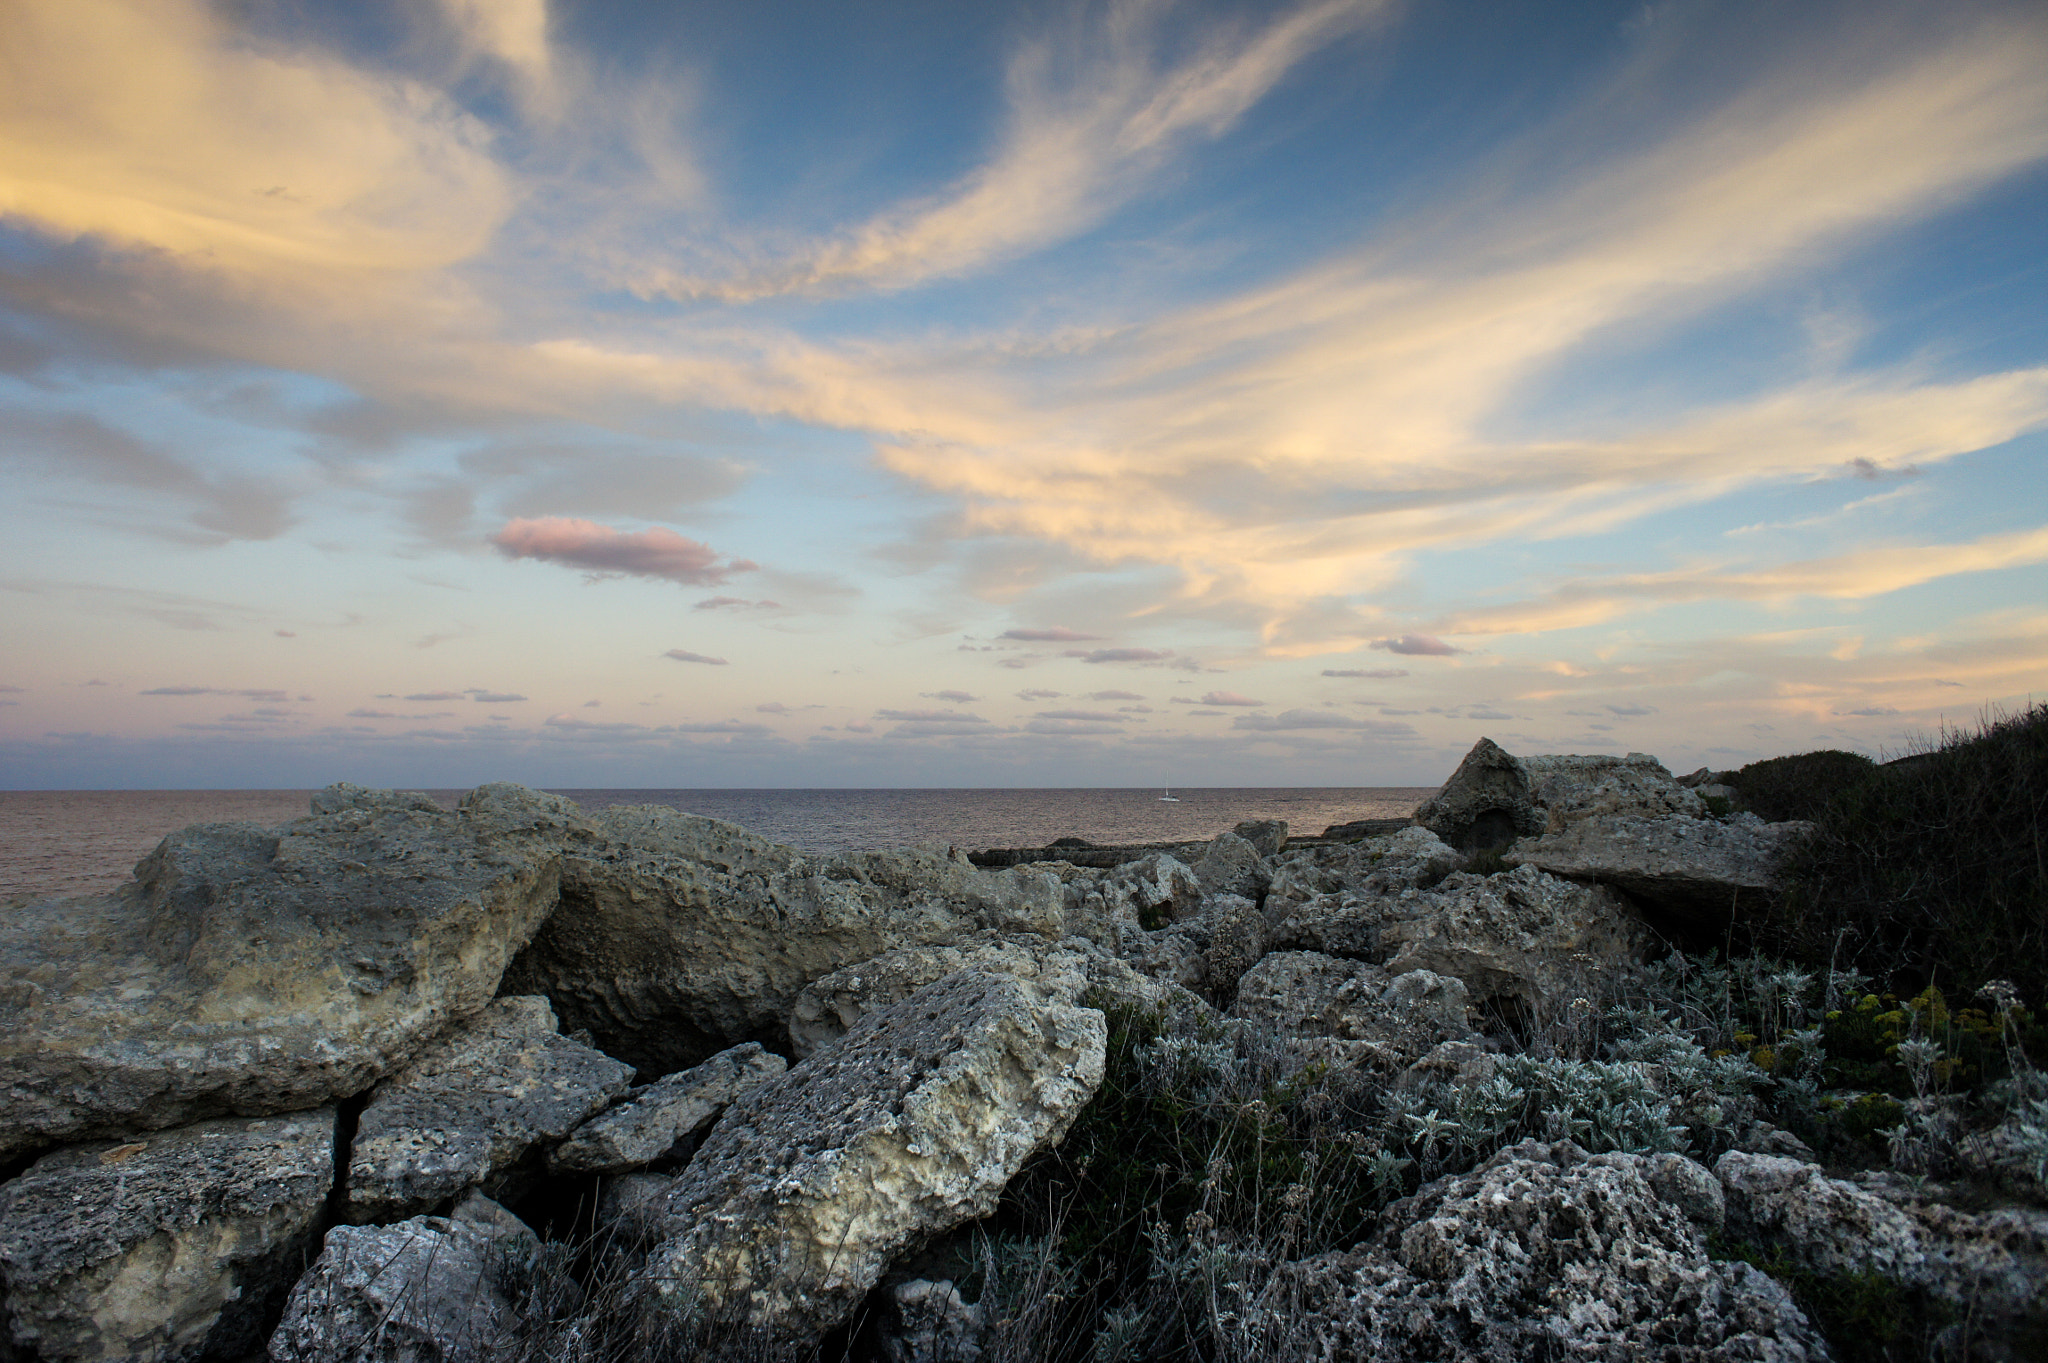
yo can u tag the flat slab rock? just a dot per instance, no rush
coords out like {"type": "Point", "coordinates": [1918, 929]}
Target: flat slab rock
{"type": "Point", "coordinates": [679, 936]}
{"type": "Point", "coordinates": [913, 1123]}
{"type": "Point", "coordinates": [1396, 1018]}
{"type": "Point", "coordinates": [163, 1248]}
{"type": "Point", "coordinates": [1698, 869]}
{"type": "Point", "coordinates": [652, 1121]}
{"type": "Point", "coordinates": [249, 970]}
{"type": "Point", "coordinates": [472, 1107]}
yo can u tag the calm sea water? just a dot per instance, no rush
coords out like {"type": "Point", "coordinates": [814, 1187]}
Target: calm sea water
{"type": "Point", "coordinates": [73, 842]}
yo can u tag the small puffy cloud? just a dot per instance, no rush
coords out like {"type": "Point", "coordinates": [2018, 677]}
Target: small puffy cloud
{"type": "Point", "coordinates": [1417, 646]}
{"type": "Point", "coordinates": [1375, 673]}
{"type": "Point", "coordinates": [1134, 709]}
{"type": "Point", "coordinates": [1631, 711]}
{"type": "Point", "coordinates": [565, 720]}
{"type": "Point", "coordinates": [862, 728]}
{"type": "Point", "coordinates": [683, 655]}
{"type": "Point", "coordinates": [656, 553]}
{"type": "Point", "coordinates": [592, 704]}
{"type": "Point", "coordinates": [1058, 634]}
{"type": "Point", "coordinates": [1227, 698]}
{"type": "Point", "coordinates": [1067, 726]}
{"type": "Point", "coordinates": [771, 707]}
{"type": "Point", "coordinates": [1118, 655]}
{"type": "Point", "coordinates": [286, 633]}
{"type": "Point", "coordinates": [1015, 663]}
{"type": "Point", "coordinates": [1039, 693]}
{"type": "Point", "coordinates": [1486, 712]}
{"type": "Point", "coordinates": [495, 697]}
{"type": "Point", "coordinates": [929, 717]}
{"type": "Point", "coordinates": [1082, 716]}
{"type": "Point", "coordinates": [374, 714]}
{"type": "Point", "coordinates": [1868, 711]}
{"type": "Point", "coordinates": [436, 695]}
{"type": "Point", "coordinates": [1114, 695]}
{"type": "Point", "coordinates": [957, 697]}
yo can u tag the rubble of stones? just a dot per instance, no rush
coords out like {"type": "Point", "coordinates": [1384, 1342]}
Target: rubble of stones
{"type": "Point", "coordinates": [281, 1092]}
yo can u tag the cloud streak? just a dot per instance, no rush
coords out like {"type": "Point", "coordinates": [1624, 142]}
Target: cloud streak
{"type": "Point", "coordinates": [656, 553]}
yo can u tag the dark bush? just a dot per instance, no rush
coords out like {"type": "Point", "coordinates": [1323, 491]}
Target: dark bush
{"type": "Point", "coordinates": [1933, 869]}
{"type": "Point", "coordinates": [1800, 787]}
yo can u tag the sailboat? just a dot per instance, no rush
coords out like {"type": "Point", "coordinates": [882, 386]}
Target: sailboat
{"type": "Point", "coordinates": [1168, 797]}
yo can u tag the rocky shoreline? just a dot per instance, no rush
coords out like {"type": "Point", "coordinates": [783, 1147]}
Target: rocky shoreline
{"type": "Point", "coordinates": [520, 1081]}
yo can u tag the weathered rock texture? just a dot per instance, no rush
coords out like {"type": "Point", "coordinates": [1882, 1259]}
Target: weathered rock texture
{"type": "Point", "coordinates": [1698, 870]}
{"type": "Point", "coordinates": [1992, 1268]}
{"type": "Point", "coordinates": [654, 1120]}
{"type": "Point", "coordinates": [250, 971]}
{"type": "Point", "coordinates": [679, 936]}
{"type": "Point", "coordinates": [1541, 1252]}
{"type": "Point", "coordinates": [1495, 797]}
{"type": "Point", "coordinates": [1231, 865]}
{"type": "Point", "coordinates": [1411, 859]}
{"type": "Point", "coordinates": [166, 1247]}
{"type": "Point", "coordinates": [471, 1108]}
{"type": "Point", "coordinates": [1395, 1019]}
{"type": "Point", "coordinates": [829, 1008]}
{"type": "Point", "coordinates": [428, 1290]}
{"type": "Point", "coordinates": [912, 1124]}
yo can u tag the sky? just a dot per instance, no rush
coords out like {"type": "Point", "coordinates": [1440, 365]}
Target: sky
{"type": "Point", "coordinates": [598, 394]}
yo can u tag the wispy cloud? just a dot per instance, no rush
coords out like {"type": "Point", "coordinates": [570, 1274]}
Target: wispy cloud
{"type": "Point", "coordinates": [1095, 115]}
{"type": "Point", "coordinates": [1377, 673]}
{"type": "Point", "coordinates": [1058, 634]}
{"type": "Point", "coordinates": [683, 655]}
{"type": "Point", "coordinates": [1119, 655]}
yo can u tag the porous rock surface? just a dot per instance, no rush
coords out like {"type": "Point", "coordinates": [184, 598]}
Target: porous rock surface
{"type": "Point", "coordinates": [679, 936]}
{"type": "Point", "coordinates": [1397, 1019]}
{"type": "Point", "coordinates": [1204, 953]}
{"type": "Point", "coordinates": [1232, 865]}
{"type": "Point", "coordinates": [248, 970]}
{"type": "Point", "coordinates": [1699, 870]}
{"type": "Point", "coordinates": [1495, 797]}
{"type": "Point", "coordinates": [828, 1008]}
{"type": "Point", "coordinates": [1541, 1252]}
{"type": "Point", "coordinates": [1379, 867]}
{"type": "Point", "coordinates": [1992, 1266]}
{"type": "Point", "coordinates": [430, 1289]}
{"type": "Point", "coordinates": [653, 1120]}
{"type": "Point", "coordinates": [163, 1248]}
{"type": "Point", "coordinates": [910, 1125]}
{"type": "Point", "coordinates": [471, 1108]}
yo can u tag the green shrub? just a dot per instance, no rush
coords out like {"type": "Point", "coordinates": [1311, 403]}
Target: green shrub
{"type": "Point", "coordinates": [1933, 869]}
{"type": "Point", "coordinates": [1800, 787]}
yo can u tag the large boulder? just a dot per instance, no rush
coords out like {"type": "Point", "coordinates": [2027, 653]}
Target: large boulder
{"type": "Point", "coordinates": [654, 1121]}
{"type": "Point", "coordinates": [1410, 859]}
{"type": "Point", "coordinates": [1495, 797]}
{"type": "Point", "coordinates": [249, 971]}
{"type": "Point", "coordinates": [1541, 1252]}
{"type": "Point", "coordinates": [1699, 871]}
{"type": "Point", "coordinates": [1205, 953]}
{"type": "Point", "coordinates": [1991, 1267]}
{"type": "Point", "coordinates": [172, 1246]}
{"type": "Point", "coordinates": [431, 1289]}
{"type": "Point", "coordinates": [910, 1125]}
{"type": "Point", "coordinates": [1395, 1019]}
{"type": "Point", "coordinates": [1232, 865]}
{"type": "Point", "coordinates": [474, 1110]}
{"type": "Point", "coordinates": [679, 936]}
{"type": "Point", "coordinates": [1073, 971]}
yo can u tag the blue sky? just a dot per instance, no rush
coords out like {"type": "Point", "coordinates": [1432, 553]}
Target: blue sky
{"type": "Point", "coordinates": [1037, 394]}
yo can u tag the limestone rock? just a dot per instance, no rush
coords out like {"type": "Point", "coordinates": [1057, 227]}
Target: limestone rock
{"type": "Point", "coordinates": [1206, 953]}
{"type": "Point", "coordinates": [1487, 802]}
{"type": "Point", "coordinates": [1495, 797]}
{"type": "Point", "coordinates": [471, 1108]}
{"type": "Point", "coordinates": [428, 1290]}
{"type": "Point", "coordinates": [1993, 1266]}
{"type": "Point", "coordinates": [1232, 865]}
{"type": "Point", "coordinates": [249, 971]}
{"type": "Point", "coordinates": [1411, 859]}
{"type": "Point", "coordinates": [1522, 935]}
{"type": "Point", "coordinates": [830, 1007]}
{"type": "Point", "coordinates": [913, 1123]}
{"type": "Point", "coordinates": [1267, 836]}
{"type": "Point", "coordinates": [166, 1247]}
{"type": "Point", "coordinates": [679, 936]}
{"type": "Point", "coordinates": [1403, 1017]}
{"type": "Point", "coordinates": [1541, 1252]}
{"type": "Point", "coordinates": [1699, 870]}
{"type": "Point", "coordinates": [654, 1119]}
{"type": "Point", "coordinates": [930, 1322]}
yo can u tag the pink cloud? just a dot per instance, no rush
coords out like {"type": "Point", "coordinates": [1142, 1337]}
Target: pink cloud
{"type": "Point", "coordinates": [1227, 698]}
{"type": "Point", "coordinates": [957, 697]}
{"type": "Point", "coordinates": [1059, 634]}
{"type": "Point", "coordinates": [1417, 645]}
{"type": "Point", "coordinates": [598, 548]}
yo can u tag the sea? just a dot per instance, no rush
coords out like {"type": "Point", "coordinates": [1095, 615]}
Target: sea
{"type": "Point", "coordinates": [83, 842]}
